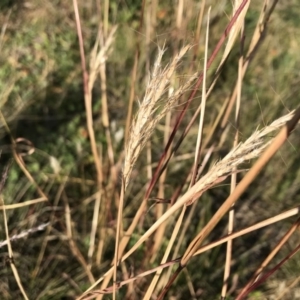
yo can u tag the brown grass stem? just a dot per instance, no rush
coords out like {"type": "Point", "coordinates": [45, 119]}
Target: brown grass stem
{"type": "Point", "coordinates": [278, 141]}
{"type": "Point", "coordinates": [229, 246]}
{"type": "Point", "coordinates": [191, 97]}
{"type": "Point", "coordinates": [203, 105]}
{"type": "Point", "coordinates": [282, 216]}
{"type": "Point", "coordinates": [134, 75]}
{"type": "Point", "coordinates": [276, 249]}
{"type": "Point", "coordinates": [245, 151]}
{"type": "Point", "coordinates": [269, 273]}
{"type": "Point", "coordinates": [9, 247]}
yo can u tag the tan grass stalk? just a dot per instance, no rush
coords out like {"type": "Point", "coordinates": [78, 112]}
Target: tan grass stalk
{"type": "Point", "coordinates": [105, 17]}
{"type": "Point", "coordinates": [235, 28]}
{"type": "Point", "coordinates": [154, 8]}
{"type": "Point", "coordinates": [74, 249]}
{"type": "Point", "coordinates": [262, 267]}
{"type": "Point", "coordinates": [246, 181]}
{"type": "Point", "coordinates": [105, 41]}
{"type": "Point", "coordinates": [132, 93]}
{"type": "Point", "coordinates": [98, 65]}
{"type": "Point", "coordinates": [98, 57]}
{"type": "Point", "coordinates": [269, 273]}
{"type": "Point", "coordinates": [155, 82]}
{"type": "Point", "coordinates": [97, 60]}
{"type": "Point", "coordinates": [182, 236]}
{"type": "Point", "coordinates": [250, 149]}
{"type": "Point", "coordinates": [87, 90]}
{"type": "Point", "coordinates": [147, 35]}
{"type": "Point", "coordinates": [190, 284]}
{"type": "Point", "coordinates": [96, 219]}
{"type": "Point", "coordinates": [234, 175]}
{"type": "Point", "coordinates": [52, 218]}
{"type": "Point", "coordinates": [152, 109]}
{"type": "Point", "coordinates": [159, 235]}
{"type": "Point", "coordinates": [198, 30]}
{"type": "Point", "coordinates": [193, 177]}
{"type": "Point", "coordinates": [180, 8]}
{"type": "Point", "coordinates": [105, 115]}
{"type": "Point", "coordinates": [23, 204]}
{"type": "Point", "coordinates": [10, 251]}
{"type": "Point", "coordinates": [94, 227]}
{"type": "Point", "coordinates": [203, 105]}
{"type": "Point", "coordinates": [135, 68]}
{"type": "Point", "coordinates": [257, 38]}
{"type": "Point", "coordinates": [3, 28]}
{"type": "Point", "coordinates": [11, 256]}
{"type": "Point", "coordinates": [259, 225]}
{"type": "Point", "coordinates": [156, 277]}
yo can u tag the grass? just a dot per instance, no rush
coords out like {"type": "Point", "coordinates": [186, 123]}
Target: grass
{"type": "Point", "coordinates": [129, 130]}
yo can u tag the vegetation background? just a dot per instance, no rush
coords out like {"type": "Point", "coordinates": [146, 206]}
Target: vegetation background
{"type": "Point", "coordinates": [65, 197]}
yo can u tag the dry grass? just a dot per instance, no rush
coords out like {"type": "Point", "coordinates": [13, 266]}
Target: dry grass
{"type": "Point", "coordinates": [116, 226]}
{"type": "Point", "coordinates": [153, 108]}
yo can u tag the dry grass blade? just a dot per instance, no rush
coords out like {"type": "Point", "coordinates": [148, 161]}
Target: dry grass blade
{"type": "Point", "coordinates": [152, 109]}
{"type": "Point", "coordinates": [235, 29]}
{"type": "Point", "coordinates": [249, 177]}
{"type": "Point", "coordinates": [245, 151]}
{"type": "Point", "coordinates": [264, 223]}
{"type": "Point", "coordinates": [177, 227]}
{"type": "Point", "coordinates": [268, 274]}
{"type": "Point", "coordinates": [23, 204]}
{"type": "Point", "coordinates": [259, 271]}
{"type": "Point", "coordinates": [257, 38]}
{"type": "Point", "coordinates": [134, 75]}
{"type": "Point", "coordinates": [241, 187]}
{"type": "Point", "coordinates": [52, 221]}
{"type": "Point", "coordinates": [179, 119]}
{"type": "Point", "coordinates": [238, 26]}
{"type": "Point", "coordinates": [11, 259]}
{"type": "Point", "coordinates": [99, 56]}
{"type": "Point", "coordinates": [124, 125]}
{"type": "Point", "coordinates": [248, 150]}
{"type": "Point", "coordinates": [10, 251]}
{"type": "Point", "coordinates": [203, 105]}
{"type": "Point", "coordinates": [73, 246]}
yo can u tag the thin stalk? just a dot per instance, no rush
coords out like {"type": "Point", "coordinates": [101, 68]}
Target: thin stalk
{"type": "Point", "coordinates": [234, 175]}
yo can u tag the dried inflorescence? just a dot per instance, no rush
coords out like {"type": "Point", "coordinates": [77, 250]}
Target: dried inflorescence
{"type": "Point", "coordinates": [244, 152]}
{"type": "Point", "coordinates": [153, 108]}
